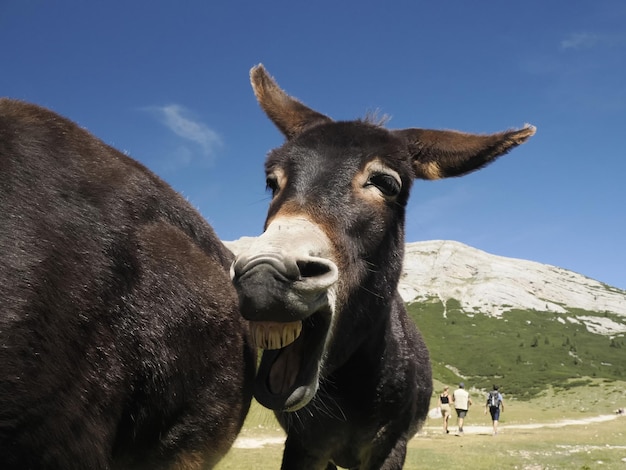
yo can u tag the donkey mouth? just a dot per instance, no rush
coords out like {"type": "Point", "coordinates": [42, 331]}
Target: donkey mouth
{"type": "Point", "coordinates": [288, 374]}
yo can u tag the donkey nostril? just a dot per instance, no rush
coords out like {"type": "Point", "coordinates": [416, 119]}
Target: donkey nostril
{"type": "Point", "coordinates": [312, 268]}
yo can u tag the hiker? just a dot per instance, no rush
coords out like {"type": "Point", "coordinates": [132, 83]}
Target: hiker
{"type": "Point", "coordinates": [495, 404]}
{"type": "Point", "coordinates": [462, 402]}
{"type": "Point", "coordinates": [444, 407]}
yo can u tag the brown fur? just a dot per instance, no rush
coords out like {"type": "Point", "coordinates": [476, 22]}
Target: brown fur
{"type": "Point", "coordinates": [122, 345]}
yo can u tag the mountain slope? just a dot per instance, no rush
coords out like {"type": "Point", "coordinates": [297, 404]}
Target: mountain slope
{"type": "Point", "coordinates": [492, 285]}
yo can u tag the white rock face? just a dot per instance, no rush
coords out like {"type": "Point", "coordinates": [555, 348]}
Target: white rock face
{"type": "Point", "coordinates": [491, 285]}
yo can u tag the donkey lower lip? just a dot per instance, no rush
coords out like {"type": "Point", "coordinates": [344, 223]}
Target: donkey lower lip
{"type": "Point", "coordinates": [287, 378]}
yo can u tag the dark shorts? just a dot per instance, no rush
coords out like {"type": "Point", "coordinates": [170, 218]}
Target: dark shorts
{"type": "Point", "coordinates": [495, 412]}
{"type": "Point", "coordinates": [461, 413]}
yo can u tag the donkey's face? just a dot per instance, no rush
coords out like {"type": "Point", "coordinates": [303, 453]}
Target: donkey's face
{"type": "Point", "coordinates": [347, 181]}
{"type": "Point", "coordinates": [334, 232]}
{"type": "Point", "coordinates": [338, 194]}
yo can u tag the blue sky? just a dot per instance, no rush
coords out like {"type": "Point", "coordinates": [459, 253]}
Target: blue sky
{"type": "Point", "coordinates": [167, 82]}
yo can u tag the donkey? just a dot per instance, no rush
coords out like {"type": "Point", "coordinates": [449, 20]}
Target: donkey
{"type": "Point", "coordinates": [121, 342]}
{"type": "Point", "coordinates": [343, 366]}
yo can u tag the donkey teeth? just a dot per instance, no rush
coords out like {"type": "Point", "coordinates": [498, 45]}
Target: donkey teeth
{"type": "Point", "coordinates": [275, 335]}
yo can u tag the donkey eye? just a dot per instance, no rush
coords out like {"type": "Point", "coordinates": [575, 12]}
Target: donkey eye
{"type": "Point", "coordinates": [387, 184]}
{"type": "Point", "coordinates": [271, 184]}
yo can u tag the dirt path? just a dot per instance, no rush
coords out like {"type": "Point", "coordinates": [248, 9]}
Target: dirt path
{"type": "Point", "coordinates": [257, 442]}
{"type": "Point", "coordinates": [469, 429]}
{"type": "Point", "coordinates": [243, 442]}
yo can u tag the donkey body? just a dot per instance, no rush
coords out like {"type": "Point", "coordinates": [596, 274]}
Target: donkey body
{"type": "Point", "coordinates": [343, 366]}
{"type": "Point", "coordinates": [121, 344]}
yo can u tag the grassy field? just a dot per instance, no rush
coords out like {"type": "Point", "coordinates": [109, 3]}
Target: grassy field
{"type": "Point", "coordinates": [581, 446]}
{"type": "Point", "coordinates": [572, 428]}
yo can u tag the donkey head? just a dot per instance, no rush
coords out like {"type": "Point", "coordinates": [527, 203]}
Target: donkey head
{"type": "Point", "coordinates": [314, 284]}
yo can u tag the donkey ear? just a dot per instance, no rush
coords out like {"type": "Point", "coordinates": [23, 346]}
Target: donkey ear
{"type": "Point", "coordinates": [288, 114]}
{"type": "Point", "coordinates": [441, 154]}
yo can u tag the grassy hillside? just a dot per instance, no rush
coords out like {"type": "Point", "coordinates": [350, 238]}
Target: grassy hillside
{"type": "Point", "coordinates": [524, 351]}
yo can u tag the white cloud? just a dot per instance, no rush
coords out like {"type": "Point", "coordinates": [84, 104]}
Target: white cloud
{"type": "Point", "coordinates": [580, 41]}
{"type": "Point", "coordinates": [178, 120]}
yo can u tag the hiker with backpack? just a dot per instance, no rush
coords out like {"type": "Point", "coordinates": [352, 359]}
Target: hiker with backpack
{"type": "Point", "coordinates": [495, 405]}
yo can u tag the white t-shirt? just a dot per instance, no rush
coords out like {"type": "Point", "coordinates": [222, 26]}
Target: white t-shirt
{"type": "Point", "coordinates": [461, 399]}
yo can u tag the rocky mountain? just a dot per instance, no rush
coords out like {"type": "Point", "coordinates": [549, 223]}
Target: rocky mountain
{"type": "Point", "coordinates": [483, 283]}
{"type": "Point", "coordinates": [489, 284]}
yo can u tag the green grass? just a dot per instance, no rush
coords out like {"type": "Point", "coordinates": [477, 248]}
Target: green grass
{"type": "Point", "coordinates": [573, 447]}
